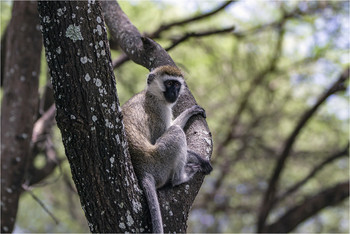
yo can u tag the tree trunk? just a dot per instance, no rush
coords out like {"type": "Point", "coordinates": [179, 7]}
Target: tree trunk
{"type": "Point", "coordinates": [19, 105]}
{"type": "Point", "coordinates": [89, 116]}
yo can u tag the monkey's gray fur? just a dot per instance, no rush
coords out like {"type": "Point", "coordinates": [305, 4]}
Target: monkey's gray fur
{"type": "Point", "coordinates": [157, 144]}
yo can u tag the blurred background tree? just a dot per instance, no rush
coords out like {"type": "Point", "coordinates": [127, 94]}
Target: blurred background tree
{"type": "Point", "coordinates": [274, 90]}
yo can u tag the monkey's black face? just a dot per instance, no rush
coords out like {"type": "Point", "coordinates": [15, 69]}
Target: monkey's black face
{"type": "Point", "coordinates": [172, 90]}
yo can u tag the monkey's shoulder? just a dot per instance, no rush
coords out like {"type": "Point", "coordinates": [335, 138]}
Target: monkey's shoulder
{"type": "Point", "coordinates": [146, 110]}
{"type": "Point", "coordinates": [136, 101]}
{"type": "Point", "coordinates": [136, 120]}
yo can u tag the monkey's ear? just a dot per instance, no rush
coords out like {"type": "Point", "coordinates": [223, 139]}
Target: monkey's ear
{"type": "Point", "coordinates": [150, 78]}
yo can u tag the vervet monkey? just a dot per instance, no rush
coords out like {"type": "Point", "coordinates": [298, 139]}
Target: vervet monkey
{"type": "Point", "coordinates": [157, 143]}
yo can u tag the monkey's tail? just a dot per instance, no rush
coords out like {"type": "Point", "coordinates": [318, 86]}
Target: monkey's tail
{"type": "Point", "coordinates": [148, 187]}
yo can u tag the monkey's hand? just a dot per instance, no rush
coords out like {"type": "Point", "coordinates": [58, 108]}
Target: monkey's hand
{"type": "Point", "coordinates": [197, 110]}
{"type": "Point", "coordinates": [182, 119]}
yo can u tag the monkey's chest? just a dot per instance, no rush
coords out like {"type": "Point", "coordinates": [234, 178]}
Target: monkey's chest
{"type": "Point", "coordinates": [156, 130]}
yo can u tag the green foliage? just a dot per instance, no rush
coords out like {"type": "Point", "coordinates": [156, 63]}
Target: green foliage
{"type": "Point", "coordinates": [5, 15]}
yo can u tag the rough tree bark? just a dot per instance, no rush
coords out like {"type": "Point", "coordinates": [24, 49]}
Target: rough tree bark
{"type": "Point", "coordinates": [19, 105]}
{"type": "Point", "coordinates": [89, 117]}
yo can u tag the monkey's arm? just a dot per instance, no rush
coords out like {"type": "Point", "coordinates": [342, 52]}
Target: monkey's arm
{"type": "Point", "coordinates": [182, 119]}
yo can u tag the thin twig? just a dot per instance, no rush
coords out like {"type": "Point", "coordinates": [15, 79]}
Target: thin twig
{"type": "Point", "coordinates": [189, 35]}
{"type": "Point", "coordinates": [28, 189]}
{"type": "Point", "coordinates": [162, 28]}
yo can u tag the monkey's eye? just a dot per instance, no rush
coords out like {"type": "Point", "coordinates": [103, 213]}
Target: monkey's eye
{"type": "Point", "coordinates": [169, 83]}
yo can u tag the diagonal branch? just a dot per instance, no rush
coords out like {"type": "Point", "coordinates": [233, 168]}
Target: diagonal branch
{"type": "Point", "coordinates": [28, 189]}
{"type": "Point", "coordinates": [295, 187]}
{"type": "Point", "coordinates": [269, 197]}
{"type": "Point", "coordinates": [44, 124]}
{"type": "Point", "coordinates": [156, 34]}
{"type": "Point", "coordinates": [41, 142]}
{"type": "Point", "coordinates": [120, 61]}
{"type": "Point", "coordinates": [141, 50]}
{"type": "Point", "coordinates": [309, 207]}
{"type": "Point", "coordinates": [189, 35]}
{"type": "Point", "coordinates": [124, 58]}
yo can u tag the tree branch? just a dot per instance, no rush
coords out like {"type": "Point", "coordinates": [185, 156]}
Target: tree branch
{"type": "Point", "coordinates": [156, 34]}
{"type": "Point", "coordinates": [269, 197]}
{"type": "Point", "coordinates": [189, 35]}
{"type": "Point", "coordinates": [309, 207]}
{"type": "Point", "coordinates": [175, 42]}
{"type": "Point", "coordinates": [120, 60]}
{"type": "Point", "coordinates": [41, 142]}
{"type": "Point", "coordinates": [295, 14]}
{"type": "Point", "coordinates": [28, 189]}
{"type": "Point", "coordinates": [295, 187]}
{"type": "Point", "coordinates": [162, 28]}
{"type": "Point", "coordinates": [43, 124]}
{"type": "Point", "coordinates": [52, 161]}
{"type": "Point", "coordinates": [141, 50]}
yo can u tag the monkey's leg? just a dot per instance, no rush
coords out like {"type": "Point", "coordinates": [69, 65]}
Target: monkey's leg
{"type": "Point", "coordinates": [149, 188]}
{"type": "Point", "coordinates": [171, 149]}
{"type": "Point", "coordinates": [194, 164]}
{"type": "Point", "coordinates": [182, 119]}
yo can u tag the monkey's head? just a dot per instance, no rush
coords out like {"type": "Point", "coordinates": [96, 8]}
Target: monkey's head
{"type": "Point", "coordinates": [166, 83]}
